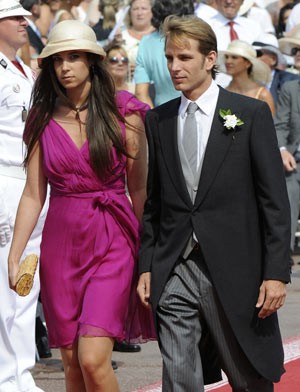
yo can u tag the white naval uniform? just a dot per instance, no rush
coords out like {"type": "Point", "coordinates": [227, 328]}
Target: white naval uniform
{"type": "Point", "coordinates": [17, 314]}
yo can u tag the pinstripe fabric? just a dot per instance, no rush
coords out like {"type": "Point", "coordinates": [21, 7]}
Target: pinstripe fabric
{"type": "Point", "coordinates": [187, 305]}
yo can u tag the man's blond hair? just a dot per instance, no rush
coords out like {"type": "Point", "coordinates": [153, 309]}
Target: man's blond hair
{"type": "Point", "coordinates": [177, 28]}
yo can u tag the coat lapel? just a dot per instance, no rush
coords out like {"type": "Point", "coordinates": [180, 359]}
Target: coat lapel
{"type": "Point", "coordinates": [168, 139]}
{"type": "Point", "coordinates": [218, 144]}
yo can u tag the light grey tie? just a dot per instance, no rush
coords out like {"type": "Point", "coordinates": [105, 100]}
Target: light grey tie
{"type": "Point", "coordinates": [189, 139]}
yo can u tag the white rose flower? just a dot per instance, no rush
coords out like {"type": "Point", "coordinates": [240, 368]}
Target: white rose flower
{"type": "Point", "coordinates": [231, 121]}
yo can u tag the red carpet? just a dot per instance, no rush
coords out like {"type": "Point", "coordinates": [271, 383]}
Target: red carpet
{"type": "Point", "coordinates": [290, 381]}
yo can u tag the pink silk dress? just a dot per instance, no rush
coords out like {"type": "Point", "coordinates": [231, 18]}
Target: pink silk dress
{"type": "Point", "coordinates": [89, 244]}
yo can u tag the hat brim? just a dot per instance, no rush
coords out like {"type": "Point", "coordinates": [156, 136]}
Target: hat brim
{"type": "Point", "coordinates": [286, 44]}
{"type": "Point", "coordinates": [14, 11]}
{"type": "Point", "coordinates": [272, 49]}
{"type": "Point", "coordinates": [261, 72]}
{"type": "Point", "coordinates": [66, 45]}
{"type": "Point", "coordinates": [245, 7]}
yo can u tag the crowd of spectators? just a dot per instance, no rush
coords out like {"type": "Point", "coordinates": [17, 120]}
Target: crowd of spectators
{"type": "Point", "coordinates": [254, 37]}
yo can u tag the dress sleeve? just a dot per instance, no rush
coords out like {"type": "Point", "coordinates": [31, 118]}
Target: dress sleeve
{"type": "Point", "coordinates": [127, 104]}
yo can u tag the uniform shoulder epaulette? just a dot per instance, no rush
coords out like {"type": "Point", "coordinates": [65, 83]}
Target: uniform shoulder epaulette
{"type": "Point", "coordinates": [3, 63]}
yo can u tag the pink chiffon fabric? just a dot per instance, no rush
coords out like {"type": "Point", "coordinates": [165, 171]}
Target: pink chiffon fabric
{"type": "Point", "coordinates": [89, 245]}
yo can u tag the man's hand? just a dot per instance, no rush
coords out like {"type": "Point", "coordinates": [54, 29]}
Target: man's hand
{"type": "Point", "coordinates": [13, 269]}
{"type": "Point", "coordinates": [143, 288]}
{"type": "Point", "coordinates": [271, 297]}
{"type": "Point", "coordinates": [288, 160]}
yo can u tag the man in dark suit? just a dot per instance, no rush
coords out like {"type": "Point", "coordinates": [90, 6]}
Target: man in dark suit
{"type": "Point", "coordinates": [287, 124]}
{"type": "Point", "coordinates": [34, 35]}
{"type": "Point", "coordinates": [215, 245]}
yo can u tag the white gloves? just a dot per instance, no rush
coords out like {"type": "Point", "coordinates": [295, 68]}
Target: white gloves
{"type": "Point", "coordinates": [6, 224]}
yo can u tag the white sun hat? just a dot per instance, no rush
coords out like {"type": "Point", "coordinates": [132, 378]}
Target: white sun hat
{"type": "Point", "coordinates": [12, 8]}
{"type": "Point", "coordinates": [287, 43]}
{"type": "Point", "coordinates": [261, 72]}
{"type": "Point", "coordinates": [269, 43]}
{"type": "Point", "coordinates": [71, 35]}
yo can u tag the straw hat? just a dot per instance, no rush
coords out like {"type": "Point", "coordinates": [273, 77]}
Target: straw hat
{"type": "Point", "coordinates": [12, 8]}
{"type": "Point", "coordinates": [71, 35]}
{"type": "Point", "coordinates": [260, 71]}
{"type": "Point", "coordinates": [286, 44]}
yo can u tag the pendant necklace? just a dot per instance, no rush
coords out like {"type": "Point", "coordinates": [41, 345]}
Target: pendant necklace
{"type": "Point", "coordinates": [77, 110]}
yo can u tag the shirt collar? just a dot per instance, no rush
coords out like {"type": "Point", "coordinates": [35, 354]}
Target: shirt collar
{"type": "Point", "coordinates": [224, 21]}
{"type": "Point", "coordinates": [204, 101]}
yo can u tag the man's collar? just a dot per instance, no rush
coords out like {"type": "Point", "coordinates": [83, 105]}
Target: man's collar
{"type": "Point", "coordinates": [204, 101]}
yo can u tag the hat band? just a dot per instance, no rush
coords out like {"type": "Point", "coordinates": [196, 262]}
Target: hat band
{"type": "Point", "coordinates": [14, 7]}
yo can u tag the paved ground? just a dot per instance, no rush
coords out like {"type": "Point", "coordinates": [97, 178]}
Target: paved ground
{"type": "Point", "coordinates": [137, 370]}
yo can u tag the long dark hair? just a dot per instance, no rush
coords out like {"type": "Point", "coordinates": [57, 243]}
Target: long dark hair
{"type": "Point", "coordinates": [102, 127]}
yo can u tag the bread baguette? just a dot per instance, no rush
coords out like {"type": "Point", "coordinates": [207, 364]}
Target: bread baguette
{"type": "Point", "coordinates": [25, 275]}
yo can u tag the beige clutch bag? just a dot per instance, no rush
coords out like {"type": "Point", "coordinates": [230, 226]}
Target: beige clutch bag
{"type": "Point", "coordinates": [25, 275]}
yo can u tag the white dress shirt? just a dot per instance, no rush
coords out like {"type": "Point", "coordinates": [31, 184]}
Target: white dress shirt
{"type": "Point", "coordinates": [205, 11]}
{"type": "Point", "coordinates": [294, 18]}
{"type": "Point", "coordinates": [207, 103]}
{"type": "Point", "coordinates": [204, 116]}
{"type": "Point", "coordinates": [247, 30]}
{"type": "Point", "coordinates": [261, 16]}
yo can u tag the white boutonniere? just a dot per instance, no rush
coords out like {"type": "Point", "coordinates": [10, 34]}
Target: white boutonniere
{"type": "Point", "coordinates": [230, 120]}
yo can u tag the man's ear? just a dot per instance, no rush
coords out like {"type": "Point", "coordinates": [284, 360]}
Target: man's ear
{"type": "Point", "coordinates": [211, 60]}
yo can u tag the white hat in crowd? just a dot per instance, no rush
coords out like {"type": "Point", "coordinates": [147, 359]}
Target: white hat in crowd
{"type": "Point", "coordinates": [71, 35]}
{"type": "Point", "coordinates": [12, 8]}
{"type": "Point", "coordinates": [245, 7]}
{"type": "Point", "coordinates": [261, 72]}
{"type": "Point", "coordinates": [287, 43]}
{"type": "Point", "coordinates": [269, 43]}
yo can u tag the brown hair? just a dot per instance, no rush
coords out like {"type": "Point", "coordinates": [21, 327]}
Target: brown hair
{"type": "Point", "coordinates": [108, 9]}
{"type": "Point", "coordinates": [177, 27]}
{"type": "Point", "coordinates": [103, 129]}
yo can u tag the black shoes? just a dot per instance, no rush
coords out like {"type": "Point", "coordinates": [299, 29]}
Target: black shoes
{"type": "Point", "coordinates": [114, 365]}
{"type": "Point", "coordinates": [125, 347]}
{"type": "Point", "coordinates": [41, 339]}
{"type": "Point", "coordinates": [43, 347]}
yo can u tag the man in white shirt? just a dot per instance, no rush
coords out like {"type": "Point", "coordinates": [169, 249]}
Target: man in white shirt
{"type": "Point", "coordinates": [17, 314]}
{"type": "Point", "coordinates": [246, 29]}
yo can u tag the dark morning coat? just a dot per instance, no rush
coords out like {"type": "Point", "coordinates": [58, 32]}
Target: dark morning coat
{"type": "Point", "coordinates": [241, 217]}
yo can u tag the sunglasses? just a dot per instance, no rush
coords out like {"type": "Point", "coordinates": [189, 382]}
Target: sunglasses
{"type": "Point", "coordinates": [294, 51]}
{"type": "Point", "coordinates": [117, 60]}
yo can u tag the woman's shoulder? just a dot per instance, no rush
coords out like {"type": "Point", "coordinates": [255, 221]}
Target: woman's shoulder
{"type": "Point", "coordinates": [128, 104]}
{"type": "Point", "coordinates": [262, 92]}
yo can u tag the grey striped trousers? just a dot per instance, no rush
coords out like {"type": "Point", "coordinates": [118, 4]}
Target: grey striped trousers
{"type": "Point", "coordinates": [187, 300]}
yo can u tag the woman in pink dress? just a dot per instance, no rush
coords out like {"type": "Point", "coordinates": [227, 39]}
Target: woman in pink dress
{"type": "Point", "coordinates": [86, 144]}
